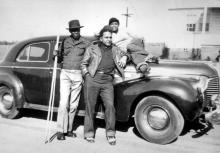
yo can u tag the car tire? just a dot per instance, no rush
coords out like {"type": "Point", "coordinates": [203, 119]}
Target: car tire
{"type": "Point", "coordinates": [158, 120]}
{"type": "Point", "coordinates": [7, 103]}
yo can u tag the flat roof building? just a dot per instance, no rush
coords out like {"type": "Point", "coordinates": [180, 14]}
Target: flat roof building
{"type": "Point", "coordinates": [196, 24]}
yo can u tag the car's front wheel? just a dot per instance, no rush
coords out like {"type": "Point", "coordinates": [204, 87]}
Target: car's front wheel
{"type": "Point", "coordinates": [158, 120]}
{"type": "Point", "coordinates": [7, 103]}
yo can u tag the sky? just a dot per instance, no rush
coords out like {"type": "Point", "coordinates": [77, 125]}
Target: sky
{"type": "Point", "coordinates": [151, 19]}
{"type": "Point", "coordinates": [24, 19]}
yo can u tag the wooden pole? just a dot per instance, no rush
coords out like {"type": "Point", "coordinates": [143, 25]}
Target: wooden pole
{"type": "Point", "coordinates": [127, 15]}
{"type": "Point", "coordinates": [52, 94]}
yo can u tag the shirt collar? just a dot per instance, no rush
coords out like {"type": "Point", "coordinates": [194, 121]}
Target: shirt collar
{"type": "Point", "coordinates": [101, 45]}
{"type": "Point", "coordinates": [79, 40]}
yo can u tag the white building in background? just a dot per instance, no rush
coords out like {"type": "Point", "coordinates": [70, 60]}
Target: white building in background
{"type": "Point", "coordinates": [196, 24]}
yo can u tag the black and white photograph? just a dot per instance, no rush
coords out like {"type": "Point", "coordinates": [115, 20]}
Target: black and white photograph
{"type": "Point", "coordinates": [113, 76]}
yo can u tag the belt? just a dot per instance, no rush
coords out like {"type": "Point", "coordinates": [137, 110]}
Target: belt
{"type": "Point", "coordinates": [102, 72]}
{"type": "Point", "coordinates": [72, 71]}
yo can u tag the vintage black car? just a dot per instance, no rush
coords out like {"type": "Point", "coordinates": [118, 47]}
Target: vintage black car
{"type": "Point", "coordinates": [160, 102]}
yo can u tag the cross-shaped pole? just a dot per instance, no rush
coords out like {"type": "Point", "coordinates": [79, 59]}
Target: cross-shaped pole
{"type": "Point", "coordinates": [127, 15]}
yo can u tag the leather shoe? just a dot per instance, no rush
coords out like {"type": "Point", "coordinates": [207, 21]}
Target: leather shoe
{"type": "Point", "coordinates": [111, 140]}
{"type": "Point", "coordinates": [90, 139]}
{"type": "Point", "coordinates": [71, 134]}
{"type": "Point", "coordinates": [60, 136]}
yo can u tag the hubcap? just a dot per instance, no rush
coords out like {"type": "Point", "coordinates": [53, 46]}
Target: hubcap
{"type": "Point", "coordinates": [7, 100]}
{"type": "Point", "coordinates": [158, 118]}
{"type": "Point", "coordinates": [6, 103]}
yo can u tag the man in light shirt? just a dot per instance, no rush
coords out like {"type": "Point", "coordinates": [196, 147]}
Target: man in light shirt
{"type": "Point", "coordinates": [128, 43]}
{"type": "Point", "coordinates": [121, 38]}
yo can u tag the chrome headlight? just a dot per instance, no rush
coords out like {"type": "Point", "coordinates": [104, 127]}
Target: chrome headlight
{"type": "Point", "coordinates": [200, 82]}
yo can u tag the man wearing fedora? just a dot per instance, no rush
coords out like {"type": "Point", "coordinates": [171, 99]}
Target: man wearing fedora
{"type": "Point", "coordinates": [70, 54]}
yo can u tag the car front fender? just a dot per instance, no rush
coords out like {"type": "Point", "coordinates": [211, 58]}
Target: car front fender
{"type": "Point", "coordinates": [180, 92]}
{"type": "Point", "coordinates": [8, 79]}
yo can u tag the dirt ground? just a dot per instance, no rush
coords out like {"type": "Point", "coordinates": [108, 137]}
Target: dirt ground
{"type": "Point", "coordinates": [27, 135]}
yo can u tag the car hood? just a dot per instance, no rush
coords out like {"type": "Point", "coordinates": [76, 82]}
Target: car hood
{"type": "Point", "coordinates": [177, 68]}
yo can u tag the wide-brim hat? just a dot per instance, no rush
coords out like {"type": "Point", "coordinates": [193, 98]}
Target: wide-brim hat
{"type": "Point", "coordinates": [74, 24]}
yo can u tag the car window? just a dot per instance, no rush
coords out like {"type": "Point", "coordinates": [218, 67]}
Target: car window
{"type": "Point", "coordinates": [37, 52]}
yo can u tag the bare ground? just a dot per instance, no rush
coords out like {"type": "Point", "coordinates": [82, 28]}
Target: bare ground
{"type": "Point", "coordinates": [27, 135]}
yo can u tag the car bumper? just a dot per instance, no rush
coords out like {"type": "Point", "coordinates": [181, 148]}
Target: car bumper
{"type": "Point", "coordinates": [214, 115]}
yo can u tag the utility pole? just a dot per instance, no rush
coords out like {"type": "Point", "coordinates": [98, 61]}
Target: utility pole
{"type": "Point", "coordinates": [127, 15]}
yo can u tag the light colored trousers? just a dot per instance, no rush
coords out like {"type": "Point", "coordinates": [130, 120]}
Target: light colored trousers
{"type": "Point", "coordinates": [70, 89]}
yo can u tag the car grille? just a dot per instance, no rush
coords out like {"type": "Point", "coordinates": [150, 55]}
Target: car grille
{"type": "Point", "coordinates": [213, 88]}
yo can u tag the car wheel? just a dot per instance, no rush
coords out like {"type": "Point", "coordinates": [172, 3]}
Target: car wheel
{"type": "Point", "coordinates": [158, 120]}
{"type": "Point", "coordinates": [7, 103]}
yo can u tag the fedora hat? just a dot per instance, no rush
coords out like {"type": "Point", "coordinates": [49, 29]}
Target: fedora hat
{"type": "Point", "coordinates": [74, 24]}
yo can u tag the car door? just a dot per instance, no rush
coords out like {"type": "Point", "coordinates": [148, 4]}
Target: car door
{"type": "Point", "coordinates": [32, 68]}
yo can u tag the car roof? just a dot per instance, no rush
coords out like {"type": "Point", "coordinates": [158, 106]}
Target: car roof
{"type": "Point", "coordinates": [53, 38]}
{"type": "Point", "coordinates": [19, 45]}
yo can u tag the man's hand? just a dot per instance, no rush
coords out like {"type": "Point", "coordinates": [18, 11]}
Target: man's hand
{"type": "Point", "coordinates": [55, 53]}
{"type": "Point", "coordinates": [122, 62]}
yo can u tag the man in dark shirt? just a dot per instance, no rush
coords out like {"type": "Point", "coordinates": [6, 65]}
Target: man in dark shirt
{"type": "Point", "coordinates": [98, 67]}
{"type": "Point", "coordinates": [70, 54]}
{"type": "Point", "coordinates": [106, 67]}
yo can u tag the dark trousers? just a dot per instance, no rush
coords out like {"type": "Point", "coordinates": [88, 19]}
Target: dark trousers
{"type": "Point", "coordinates": [92, 89]}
